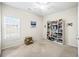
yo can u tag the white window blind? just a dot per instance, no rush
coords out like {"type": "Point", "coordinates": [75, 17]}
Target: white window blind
{"type": "Point", "coordinates": [11, 27]}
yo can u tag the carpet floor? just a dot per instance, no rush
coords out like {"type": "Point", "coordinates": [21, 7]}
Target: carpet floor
{"type": "Point", "coordinates": [43, 48]}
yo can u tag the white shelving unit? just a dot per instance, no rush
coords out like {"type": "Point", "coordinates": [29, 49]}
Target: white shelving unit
{"type": "Point", "coordinates": [55, 31]}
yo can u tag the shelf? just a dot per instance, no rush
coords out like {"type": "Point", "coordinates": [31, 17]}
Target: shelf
{"type": "Point", "coordinates": [56, 30]}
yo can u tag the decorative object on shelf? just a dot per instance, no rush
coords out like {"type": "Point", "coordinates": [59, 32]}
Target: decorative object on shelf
{"type": "Point", "coordinates": [60, 19]}
{"type": "Point", "coordinates": [33, 24]}
{"type": "Point", "coordinates": [69, 24]}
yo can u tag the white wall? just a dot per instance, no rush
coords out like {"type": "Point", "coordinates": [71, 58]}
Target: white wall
{"type": "Point", "coordinates": [78, 29]}
{"type": "Point", "coordinates": [68, 16]}
{"type": "Point", "coordinates": [26, 30]}
{"type": "Point", "coordinates": [0, 28]}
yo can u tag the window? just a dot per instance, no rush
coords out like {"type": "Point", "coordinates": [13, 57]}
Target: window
{"type": "Point", "coordinates": [11, 27]}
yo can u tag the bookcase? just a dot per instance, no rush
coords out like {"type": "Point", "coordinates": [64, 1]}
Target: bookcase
{"type": "Point", "coordinates": [55, 31]}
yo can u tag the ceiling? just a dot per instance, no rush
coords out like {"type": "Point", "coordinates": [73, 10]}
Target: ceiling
{"type": "Point", "coordinates": [42, 8]}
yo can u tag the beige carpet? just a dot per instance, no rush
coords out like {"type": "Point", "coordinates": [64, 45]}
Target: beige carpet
{"type": "Point", "coordinates": [41, 49]}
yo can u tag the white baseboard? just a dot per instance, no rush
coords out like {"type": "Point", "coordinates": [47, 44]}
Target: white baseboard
{"type": "Point", "coordinates": [15, 45]}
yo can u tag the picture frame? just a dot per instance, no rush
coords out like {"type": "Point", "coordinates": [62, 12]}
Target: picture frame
{"type": "Point", "coordinates": [33, 24]}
